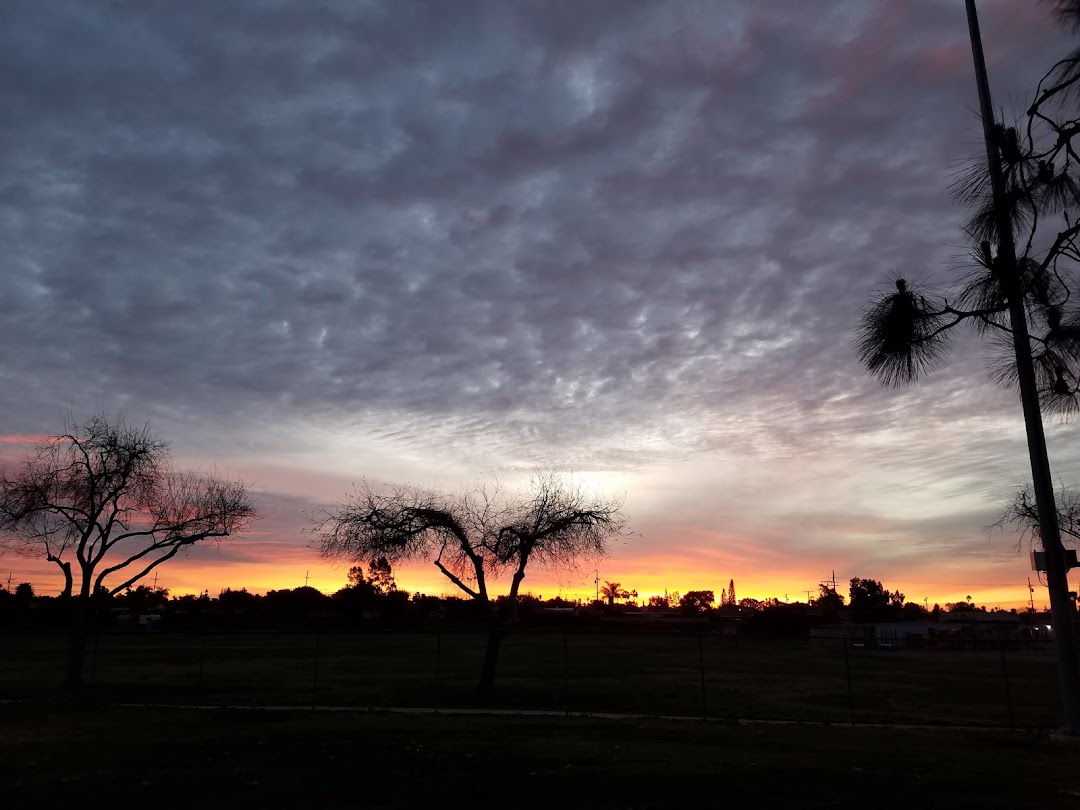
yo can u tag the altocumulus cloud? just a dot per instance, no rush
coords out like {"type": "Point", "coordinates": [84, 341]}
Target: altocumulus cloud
{"type": "Point", "coordinates": [614, 236]}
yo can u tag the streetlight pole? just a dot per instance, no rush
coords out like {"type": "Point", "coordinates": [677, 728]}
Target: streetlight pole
{"type": "Point", "coordinates": [1056, 573]}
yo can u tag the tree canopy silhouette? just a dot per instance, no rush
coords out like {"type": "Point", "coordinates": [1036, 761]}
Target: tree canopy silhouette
{"type": "Point", "coordinates": [906, 330]}
{"type": "Point", "coordinates": [101, 501]}
{"type": "Point", "coordinates": [1016, 290]}
{"type": "Point", "coordinates": [475, 536]}
{"type": "Point", "coordinates": [612, 591]}
{"type": "Point", "coordinates": [1021, 515]}
{"type": "Point", "coordinates": [695, 602]}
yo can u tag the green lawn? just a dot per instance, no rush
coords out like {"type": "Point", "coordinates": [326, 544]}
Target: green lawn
{"type": "Point", "coordinates": [55, 756]}
{"type": "Point", "coordinates": [574, 672]}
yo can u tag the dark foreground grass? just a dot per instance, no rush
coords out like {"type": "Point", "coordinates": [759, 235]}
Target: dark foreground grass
{"type": "Point", "coordinates": [657, 674]}
{"type": "Point", "coordinates": [53, 756]}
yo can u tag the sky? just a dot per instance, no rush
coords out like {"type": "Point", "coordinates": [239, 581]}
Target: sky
{"type": "Point", "coordinates": [315, 243]}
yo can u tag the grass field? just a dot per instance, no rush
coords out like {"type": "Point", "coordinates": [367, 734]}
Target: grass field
{"type": "Point", "coordinates": [57, 756]}
{"type": "Point", "coordinates": [714, 676]}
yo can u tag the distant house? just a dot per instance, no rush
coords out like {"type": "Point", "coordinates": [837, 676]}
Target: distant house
{"type": "Point", "coordinates": [969, 630]}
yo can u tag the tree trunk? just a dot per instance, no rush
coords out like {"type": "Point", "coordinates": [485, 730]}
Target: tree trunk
{"type": "Point", "coordinates": [1061, 607]}
{"type": "Point", "coordinates": [496, 631]}
{"type": "Point", "coordinates": [68, 582]}
{"type": "Point", "coordinates": [76, 646]}
{"type": "Point", "coordinates": [501, 616]}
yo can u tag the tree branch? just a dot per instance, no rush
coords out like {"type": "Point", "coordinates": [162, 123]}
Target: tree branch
{"type": "Point", "coordinates": [457, 581]}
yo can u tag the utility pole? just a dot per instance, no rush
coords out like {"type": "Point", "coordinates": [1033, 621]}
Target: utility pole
{"type": "Point", "coordinates": [597, 581]}
{"type": "Point", "coordinates": [808, 596]}
{"type": "Point", "coordinates": [1031, 595]}
{"type": "Point", "coordinates": [306, 574]}
{"type": "Point", "coordinates": [1056, 572]}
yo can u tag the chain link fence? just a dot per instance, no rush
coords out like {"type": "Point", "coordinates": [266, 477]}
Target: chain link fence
{"type": "Point", "coordinates": [707, 675]}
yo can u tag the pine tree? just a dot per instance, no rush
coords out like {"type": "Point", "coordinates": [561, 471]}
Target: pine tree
{"type": "Point", "coordinates": [731, 593]}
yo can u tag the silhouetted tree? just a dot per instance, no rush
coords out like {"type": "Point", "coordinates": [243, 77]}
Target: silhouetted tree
{"type": "Point", "coordinates": [913, 612]}
{"type": "Point", "coordinates": [1017, 291]}
{"type": "Point", "coordinates": [381, 576]}
{"type": "Point", "coordinates": [697, 602]}
{"type": "Point", "coordinates": [355, 600]}
{"type": "Point", "coordinates": [1021, 514]}
{"type": "Point", "coordinates": [189, 606]}
{"type": "Point", "coordinates": [24, 593]}
{"type": "Point", "coordinates": [237, 599]}
{"type": "Point", "coordinates": [612, 591]}
{"type": "Point", "coordinates": [869, 600]}
{"type": "Point", "coordinates": [778, 618]}
{"type": "Point", "coordinates": [293, 604]}
{"type": "Point", "coordinates": [829, 602]}
{"type": "Point", "coordinates": [657, 603]}
{"type": "Point", "coordinates": [475, 536]}
{"type": "Point", "coordinates": [101, 498]}
{"type": "Point", "coordinates": [730, 601]}
{"type": "Point", "coordinates": [749, 603]}
{"type": "Point", "coordinates": [143, 598]}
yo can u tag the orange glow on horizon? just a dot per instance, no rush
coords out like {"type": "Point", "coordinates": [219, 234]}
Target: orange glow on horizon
{"type": "Point", "coordinates": [273, 556]}
{"type": "Point", "coordinates": [677, 575]}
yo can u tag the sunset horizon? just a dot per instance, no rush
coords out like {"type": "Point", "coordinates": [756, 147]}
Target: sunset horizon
{"type": "Point", "coordinates": [540, 403]}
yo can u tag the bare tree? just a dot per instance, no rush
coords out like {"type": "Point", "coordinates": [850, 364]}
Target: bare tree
{"type": "Point", "coordinates": [1021, 515]}
{"type": "Point", "coordinates": [101, 501]}
{"type": "Point", "coordinates": [475, 536]}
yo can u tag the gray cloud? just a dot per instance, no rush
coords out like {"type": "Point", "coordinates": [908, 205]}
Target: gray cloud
{"type": "Point", "coordinates": [600, 234]}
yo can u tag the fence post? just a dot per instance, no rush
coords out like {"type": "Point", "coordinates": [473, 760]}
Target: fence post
{"type": "Point", "coordinates": [256, 679]}
{"type": "Point", "coordinates": [94, 657]}
{"type": "Point", "coordinates": [566, 674]}
{"type": "Point", "coordinates": [850, 695]}
{"type": "Point", "coordinates": [438, 668]}
{"type": "Point", "coordinates": [1008, 690]}
{"type": "Point", "coordinates": [315, 676]}
{"type": "Point", "coordinates": [202, 657]}
{"type": "Point", "coordinates": [701, 667]}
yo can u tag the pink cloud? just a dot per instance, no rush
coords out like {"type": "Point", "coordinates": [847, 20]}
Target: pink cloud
{"type": "Point", "coordinates": [21, 439]}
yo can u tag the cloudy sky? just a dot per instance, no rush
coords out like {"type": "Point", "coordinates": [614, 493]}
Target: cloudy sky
{"type": "Point", "coordinates": [316, 242]}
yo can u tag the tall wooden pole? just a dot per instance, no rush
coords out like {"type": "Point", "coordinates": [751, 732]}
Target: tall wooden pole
{"type": "Point", "coordinates": [1056, 574]}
